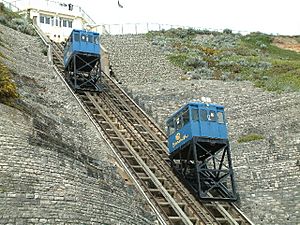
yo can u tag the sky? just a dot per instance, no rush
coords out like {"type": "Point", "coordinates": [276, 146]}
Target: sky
{"type": "Point", "coordinates": [267, 16]}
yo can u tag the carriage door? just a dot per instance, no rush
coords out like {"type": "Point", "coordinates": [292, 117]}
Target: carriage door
{"type": "Point", "coordinates": [209, 126]}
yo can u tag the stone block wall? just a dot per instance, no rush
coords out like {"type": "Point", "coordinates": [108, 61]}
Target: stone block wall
{"type": "Point", "coordinates": [267, 171]}
{"type": "Point", "coordinates": [54, 166]}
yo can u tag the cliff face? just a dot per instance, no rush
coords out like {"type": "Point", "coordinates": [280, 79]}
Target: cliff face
{"type": "Point", "coordinates": [54, 166]}
{"type": "Point", "coordinates": [268, 170]}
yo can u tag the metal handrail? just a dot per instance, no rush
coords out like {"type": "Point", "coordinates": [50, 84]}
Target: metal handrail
{"type": "Point", "coordinates": [10, 6]}
{"type": "Point", "coordinates": [45, 40]}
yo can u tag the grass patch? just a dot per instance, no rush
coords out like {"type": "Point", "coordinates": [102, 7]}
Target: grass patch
{"type": "Point", "coordinates": [263, 42]}
{"type": "Point", "coordinates": [179, 60]}
{"type": "Point", "coordinates": [250, 137]}
{"type": "Point", "coordinates": [2, 190]}
{"type": "Point", "coordinates": [284, 76]}
{"type": "Point", "coordinates": [230, 56]}
{"type": "Point", "coordinates": [280, 83]}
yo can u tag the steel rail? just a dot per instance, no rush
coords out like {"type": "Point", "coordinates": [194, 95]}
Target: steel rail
{"type": "Point", "coordinates": [161, 140]}
{"type": "Point", "coordinates": [119, 157]}
{"type": "Point", "coordinates": [151, 160]}
{"type": "Point", "coordinates": [147, 144]}
{"type": "Point", "coordinates": [217, 205]}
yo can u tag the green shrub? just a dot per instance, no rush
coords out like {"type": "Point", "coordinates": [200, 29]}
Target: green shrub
{"type": "Point", "coordinates": [15, 21]}
{"type": "Point", "coordinates": [8, 89]}
{"type": "Point", "coordinates": [2, 190]}
{"type": "Point", "coordinates": [250, 137]}
{"type": "Point", "coordinates": [179, 60]}
{"type": "Point", "coordinates": [227, 31]}
{"type": "Point", "coordinates": [195, 62]}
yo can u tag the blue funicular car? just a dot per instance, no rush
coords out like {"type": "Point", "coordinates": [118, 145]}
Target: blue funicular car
{"type": "Point", "coordinates": [82, 60]}
{"type": "Point", "coordinates": [196, 119]}
{"type": "Point", "coordinates": [199, 150]}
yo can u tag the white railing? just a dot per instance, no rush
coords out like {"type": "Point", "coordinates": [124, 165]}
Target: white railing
{"type": "Point", "coordinates": [142, 28]}
{"type": "Point", "coordinates": [111, 29]}
{"type": "Point", "coordinates": [59, 7]}
{"type": "Point", "coordinates": [10, 6]}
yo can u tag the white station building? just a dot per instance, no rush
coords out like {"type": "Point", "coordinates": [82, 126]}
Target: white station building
{"type": "Point", "coordinates": [55, 19]}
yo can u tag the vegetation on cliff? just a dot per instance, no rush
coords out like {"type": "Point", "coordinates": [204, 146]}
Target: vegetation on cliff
{"type": "Point", "coordinates": [250, 137]}
{"type": "Point", "coordinates": [15, 21]}
{"type": "Point", "coordinates": [223, 55]}
{"type": "Point", "coordinates": [8, 89]}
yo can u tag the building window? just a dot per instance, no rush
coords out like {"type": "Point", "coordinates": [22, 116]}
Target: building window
{"type": "Point", "coordinates": [42, 19]}
{"type": "Point", "coordinates": [64, 23]}
{"type": "Point", "coordinates": [47, 20]}
{"type": "Point", "coordinates": [70, 23]}
{"type": "Point", "coordinates": [56, 22]}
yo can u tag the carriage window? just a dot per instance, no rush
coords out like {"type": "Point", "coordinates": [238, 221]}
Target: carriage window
{"type": "Point", "coordinates": [178, 122]}
{"type": "Point", "coordinates": [220, 117]}
{"type": "Point", "coordinates": [76, 37]}
{"type": "Point", "coordinates": [203, 114]}
{"type": "Point", "coordinates": [83, 37]}
{"type": "Point", "coordinates": [90, 38]}
{"type": "Point", "coordinates": [185, 117]}
{"type": "Point", "coordinates": [195, 116]}
{"type": "Point", "coordinates": [171, 127]}
{"type": "Point", "coordinates": [212, 116]}
{"type": "Point", "coordinates": [96, 39]}
{"type": "Point", "coordinates": [70, 39]}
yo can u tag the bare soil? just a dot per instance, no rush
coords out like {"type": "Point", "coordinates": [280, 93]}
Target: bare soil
{"type": "Point", "coordinates": [289, 43]}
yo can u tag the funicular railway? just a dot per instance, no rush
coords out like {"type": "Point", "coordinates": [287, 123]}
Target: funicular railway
{"type": "Point", "coordinates": [142, 147]}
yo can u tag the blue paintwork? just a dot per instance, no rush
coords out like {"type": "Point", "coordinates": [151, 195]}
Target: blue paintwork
{"type": "Point", "coordinates": [81, 41]}
{"type": "Point", "coordinates": [206, 126]}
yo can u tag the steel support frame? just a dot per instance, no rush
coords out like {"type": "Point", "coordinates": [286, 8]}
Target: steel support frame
{"type": "Point", "coordinates": [208, 172]}
{"type": "Point", "coordinates": [80, 80]}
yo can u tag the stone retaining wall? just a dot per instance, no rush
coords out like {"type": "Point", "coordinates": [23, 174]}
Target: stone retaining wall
{"type": "Point", "coordinates": [54, 166]}
{"type": "Point", "coordinates": [267, 171]}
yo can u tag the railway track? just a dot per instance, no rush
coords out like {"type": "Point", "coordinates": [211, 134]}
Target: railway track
{"type": "Point", "coordinates": [141, 144]}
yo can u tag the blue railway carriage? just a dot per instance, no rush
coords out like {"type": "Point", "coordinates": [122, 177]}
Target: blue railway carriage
{"type": "Point", "coordinates": [82, 60]}
{"type": "Point", "coordinates": [196, 119]}
{"type": "Point", "coordinates": [199, 150]}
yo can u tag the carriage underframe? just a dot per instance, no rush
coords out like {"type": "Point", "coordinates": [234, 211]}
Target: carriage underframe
{"type": "Point", "coordinates": [83, 73]}
{"type": "Point", "coordinates": [205, 166]}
